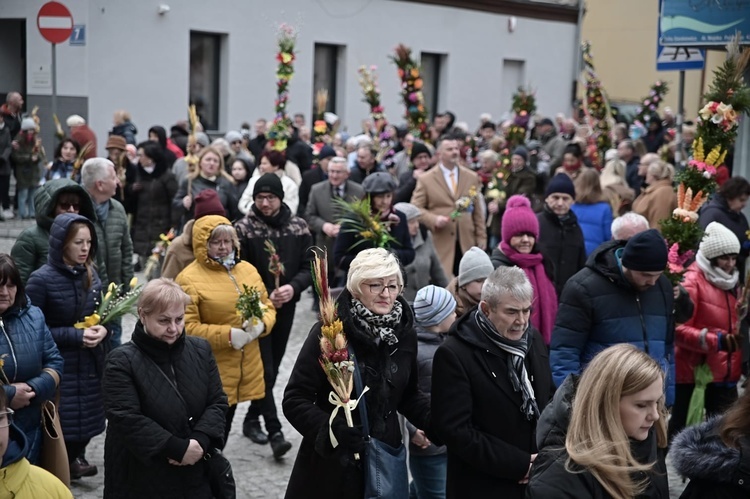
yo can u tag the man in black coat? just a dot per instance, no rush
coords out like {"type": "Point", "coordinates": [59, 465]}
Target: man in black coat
{"type": "Point", "coordinates": [258, 143]}
{"type": "Point", "coordinates": [560, 237]}
{"type": "Point", "coordinates": [314, 175]}
{"type": "Point", "coordinates": [491, 380]}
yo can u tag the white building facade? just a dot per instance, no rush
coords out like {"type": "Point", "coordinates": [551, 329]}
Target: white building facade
{"type": "Point", "coordinates": [153, 57]}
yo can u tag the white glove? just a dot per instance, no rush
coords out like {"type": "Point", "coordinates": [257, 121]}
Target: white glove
{"type": "Point", "coordinates": [254, 330]}
{"type": "Point", "coordinates": [239, 338]}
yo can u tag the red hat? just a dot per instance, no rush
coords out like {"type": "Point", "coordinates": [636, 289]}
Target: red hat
{"type": "Point", "coordinates": [207, 203]}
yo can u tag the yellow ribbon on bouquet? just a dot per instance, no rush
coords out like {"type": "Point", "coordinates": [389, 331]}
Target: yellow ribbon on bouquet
{"type": "Point", "coordinates": [88, 321]}
{"type": "Point", "coordinates": [349, 406]}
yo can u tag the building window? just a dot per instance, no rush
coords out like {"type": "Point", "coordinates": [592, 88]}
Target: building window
{"type": "Point", "coordinates": [512, 78]}
{"type": "Point", "coordinates": [205, 72]}
{"type": "Point", "coordinates": [433, 68]}
{"type": "Point", "coordinates": [326, 74]}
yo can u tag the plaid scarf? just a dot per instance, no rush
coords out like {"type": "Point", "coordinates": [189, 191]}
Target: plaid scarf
{"type": "Point", "coordinates": [377, 326]}
{"type": "Point", "coordinates": [516, 351]}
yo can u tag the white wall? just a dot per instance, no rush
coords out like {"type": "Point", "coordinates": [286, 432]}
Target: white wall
{"type": "Point", "coordinates": [138, 60]}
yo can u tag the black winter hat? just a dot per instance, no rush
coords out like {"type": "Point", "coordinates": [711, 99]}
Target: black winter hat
{"type": "Point", "coordinates": [561, 183]}
{"type": "Point", "coordinates": [419, 148]}
{"type": "Point", "coordinates": [269, 182]}
{"type": "Point", "coordinates": [645, 252]}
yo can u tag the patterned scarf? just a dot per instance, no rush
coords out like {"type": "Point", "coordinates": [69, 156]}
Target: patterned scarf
{"type": "Point", "coordinates": [516, 351]}
{"type": "Point", "coordinates": [377, 326]}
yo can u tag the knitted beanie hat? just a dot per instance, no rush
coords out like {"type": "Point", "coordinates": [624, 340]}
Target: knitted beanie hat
{"type": "Point", "coordinates": [233, 136]}
{"type": "Point", "coordinates": [207, 203]}
{"type": "Point", "coordinates": [409, 210]}
{"type": "Point", "coordinates": [116, 142]}
{"type": "Point", "coordinates": [474, 265]}
{"type": "Point", "coordinates": [519, 218]}
{"type": "Point", "coordinates": [561, 183]}
{"type": "Point", "coordinates": [645, 252]}
{"type": "Point", "coordinates": [521, 151]}
{"type": "Point", "coordinates": [269, 182]}
{"type": "Point", "coordinates": [432, 305]}
{"type": "Point", "coordinates": [718, 241]}
{"type": "Point", "coordinates": [28, 124]}
{"type": "Point", "coordinates": [419, 148]}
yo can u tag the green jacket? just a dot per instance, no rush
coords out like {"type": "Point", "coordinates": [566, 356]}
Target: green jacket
{"type": "Point", "coordinates": [31, 247]}
{"type": "Point", "coordinates": [115, 246]}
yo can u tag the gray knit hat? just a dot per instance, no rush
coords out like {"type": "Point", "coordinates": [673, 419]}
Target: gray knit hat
{"type": "Point", "coordinates": [719, 241]}
{"type": "Point", "coordinates": [28, 124]}
{"type": "Point", "coordinates": [409, 210]}
{"type": "Point", "coordinates": [433, 305]}
{"type": "Point", "coordinates": [474, 265]}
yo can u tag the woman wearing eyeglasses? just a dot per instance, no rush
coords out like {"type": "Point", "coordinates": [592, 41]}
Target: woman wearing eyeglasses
{"type": "Point", "coordinates": [379, 327]}
{"type": "Point", "coordinates": [214, 281]}
{"type": "Point", "coordinates": [31, 362]}
{"type": "Point", "coordinates": [53, 198]}
{"type": "Point", "coordinates": [18, 477]}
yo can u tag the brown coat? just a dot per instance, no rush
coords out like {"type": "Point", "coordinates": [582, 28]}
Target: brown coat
{"type": "Point", "coordinates": [464, 302]}
{"type": "Point", "coordinates": [180, 253]}
{"type": "Point", "coordinates": [433, 197]}
{"type": "Point", "coordinates": [656, 202]}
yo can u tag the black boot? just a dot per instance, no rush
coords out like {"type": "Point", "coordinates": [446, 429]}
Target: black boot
{"type": "Point", "coordinates": [80, 468]}
{"type": "Point", "coordinates": [251, 429]}
{"type": "Point", "coordinates": [279, 445]}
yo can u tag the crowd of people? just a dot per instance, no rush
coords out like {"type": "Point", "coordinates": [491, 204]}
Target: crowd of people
{"type": "Point", "coordinates": [512, 282]}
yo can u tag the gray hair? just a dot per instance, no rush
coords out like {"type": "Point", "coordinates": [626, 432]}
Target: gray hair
{"type": "Point", "coordinates": [506, 281]}
{"type": "Point", "coordinates": [337, 160]}
{"type": "Point", "coordinates": [626, 226]}
{"type": "Point", "coordinates": [661, 170]}
{"type": "Point", "coordinates": [373, 263]}
{"type": "Point", "coordinates": [93, 170]}
{"type": "Point", "coordinates": [488, 154]}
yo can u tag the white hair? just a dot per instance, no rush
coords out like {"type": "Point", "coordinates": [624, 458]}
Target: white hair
{"type": "Point", "coordinates": [506, 281]}
{"type": "Point", "coordinates": [93, 170]}
{"type": "Point", "coordinates": [373, 263]}
{"type": "Point", "coordinates": [626, 226]}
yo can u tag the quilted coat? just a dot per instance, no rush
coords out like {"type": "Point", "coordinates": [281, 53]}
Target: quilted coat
{"type": "Point", "coordinates": [59, 291]}
{"type": "Point", "coordinates": [116, 246]}
{"type": "Point", "coordinates": [211, 314]}
{"type": "Point", "coordinates": [27, 347]}
{"type": "Point", "coordinates": [149, 423]}
{"type": "Point", "coordinates": [30, 249]}
{"type": "Point", "coordinates": [715, 311]}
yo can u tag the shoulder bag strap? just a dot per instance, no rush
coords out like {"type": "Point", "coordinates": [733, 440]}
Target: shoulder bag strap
{"type": "Point", "coordinates": [358, 385]}
{"type": "Point", "coordinates": [164, 375]}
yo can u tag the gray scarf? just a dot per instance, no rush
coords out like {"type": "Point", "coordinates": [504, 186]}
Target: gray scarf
{"type": "Point", "coordinates": [376, 325]}
{"type": "Point", "coordinates": [516, 351]}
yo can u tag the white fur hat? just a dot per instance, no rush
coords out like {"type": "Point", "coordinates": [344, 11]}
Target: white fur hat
{"type": "Point", "coordinates": [75, 120]}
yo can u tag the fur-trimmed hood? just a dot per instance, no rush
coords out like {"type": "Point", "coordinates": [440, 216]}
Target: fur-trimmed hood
{"type": "Point", "coordinates": [699, 454]}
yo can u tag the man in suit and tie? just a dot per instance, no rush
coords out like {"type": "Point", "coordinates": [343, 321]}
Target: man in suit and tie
{"type": "Point", "coordinates": [321, 213]}
{"type": "Point", "coordinates": [316, 174]}
{"type": "Point", "coordinates": [436, 194]}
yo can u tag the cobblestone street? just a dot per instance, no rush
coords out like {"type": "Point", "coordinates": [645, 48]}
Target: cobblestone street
{"type": "Point", "coordinates": [257, 474]}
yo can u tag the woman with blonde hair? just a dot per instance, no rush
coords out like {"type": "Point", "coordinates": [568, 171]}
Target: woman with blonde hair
{"type": "Point", "coordinates": [592, 209]}
{"type": "Point", "coordinates": [610, 441]}
{"type": "Point", "coordinates": [210, 174]}
{"type": "Point", "coordinates": [658, 200]}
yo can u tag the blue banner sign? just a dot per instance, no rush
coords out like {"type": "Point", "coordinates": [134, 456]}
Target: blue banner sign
{"type": "Point", "coordinates": [703, 22]}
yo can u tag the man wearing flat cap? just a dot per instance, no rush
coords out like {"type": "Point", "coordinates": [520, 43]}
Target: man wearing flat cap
{"type": "Point", "coordinates": [620, 296]}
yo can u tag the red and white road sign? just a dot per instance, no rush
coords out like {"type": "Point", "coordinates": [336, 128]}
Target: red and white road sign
{"type": "Point", "coordinates": [55, 22]}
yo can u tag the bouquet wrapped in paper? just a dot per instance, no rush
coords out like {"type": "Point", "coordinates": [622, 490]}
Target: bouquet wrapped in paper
{"type": "Point", "coordinates": [113, 305]}
{"type": "Point", "coordinates": [334, 353]}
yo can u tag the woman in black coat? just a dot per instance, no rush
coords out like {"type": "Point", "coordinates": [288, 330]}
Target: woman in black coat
{"type": "Point", "coordinates": [149, 190]}
{"type": "Point", "coordinates": [379, 328]}
{"type": "Point", "coordinates": [164, 403]}
{"type": "Point", "coordinates": [715, 455]}
{"type": "Point", "coordinates": [67, 289]}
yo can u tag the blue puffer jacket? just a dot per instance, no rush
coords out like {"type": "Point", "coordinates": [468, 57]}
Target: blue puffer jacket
{"type": "Point", "coordinates": [599, 308]}
{"type": "Point", "coordinates": [595, 221]}
{"type": "Point", "coordinates": [59, 291]}
{"type": "Point", "coordinates": [27, 347]}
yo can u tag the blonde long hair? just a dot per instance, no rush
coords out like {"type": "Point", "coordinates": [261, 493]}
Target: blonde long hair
{"type": "Point", "coordinates": [596, 438]}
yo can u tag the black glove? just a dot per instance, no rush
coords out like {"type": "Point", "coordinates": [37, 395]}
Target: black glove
{"type": "Point", "coordinates": [729, 343]}
{"type": "Point", "coordinates": [351, 439]}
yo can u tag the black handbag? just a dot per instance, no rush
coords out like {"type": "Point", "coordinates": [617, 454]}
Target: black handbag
{"type": "Point", "coordinates": [386, 476]}
{"type": "Point", "coordinates": [218, 468]}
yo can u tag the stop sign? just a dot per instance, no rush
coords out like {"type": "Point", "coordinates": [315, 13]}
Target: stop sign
{"type": "Point", "coordinates": [54, 22]}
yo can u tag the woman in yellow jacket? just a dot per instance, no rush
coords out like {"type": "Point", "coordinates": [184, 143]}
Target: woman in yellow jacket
{"type": "Point", "coordinates": [214, 281]}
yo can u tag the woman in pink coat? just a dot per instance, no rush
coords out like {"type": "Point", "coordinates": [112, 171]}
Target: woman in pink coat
{"type": "Point", "coordinates": [711, 335]}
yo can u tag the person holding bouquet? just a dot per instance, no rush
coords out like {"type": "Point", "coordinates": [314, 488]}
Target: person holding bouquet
{"type": "Point", "coordinates": [711, 335]}
{"type": "Point", "coordinates": [67, 289]}
{"type": "Point", "coordinates": [215, 281]}
{"type": "Point", "coordinates": [378, 325]}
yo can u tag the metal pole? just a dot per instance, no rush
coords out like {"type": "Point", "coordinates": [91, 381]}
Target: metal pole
{"type": "Point", "coordinates": [577, 54]}
{"type": "Point", "coordinates": [54, 79]}
{"type": "Point", "coordinates": [680, 119]}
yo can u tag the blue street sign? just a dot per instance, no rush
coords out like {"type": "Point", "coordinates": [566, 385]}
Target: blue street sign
{"type": "Point", "coordinates": [703, 22]}
{"type": "Point", "coordinates": [78, 36]}
{"type": "Point", "coordinates": [677, 58]}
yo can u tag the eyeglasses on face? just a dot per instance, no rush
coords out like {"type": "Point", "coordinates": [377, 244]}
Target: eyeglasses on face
{"type": "Point", "coordinates": [378, 288]}
{"type": "Point", "coordinates": [6, 417]}
{"type": "Point", "coordinates": [66, 206]}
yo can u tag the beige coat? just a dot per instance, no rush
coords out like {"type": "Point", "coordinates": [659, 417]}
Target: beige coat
{"type": "Point", "coordinates": [656, 202]}
{"type": "Point", "coordinates": [433, 197]}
